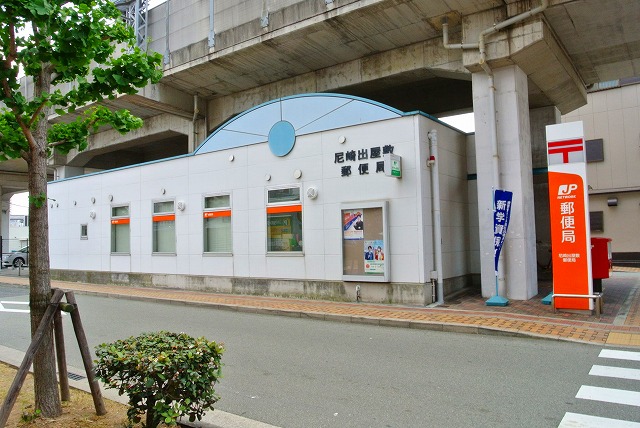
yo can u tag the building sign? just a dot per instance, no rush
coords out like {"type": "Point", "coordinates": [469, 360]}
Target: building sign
{"type": "Point", "coordinates": [501, 215]}
{"type": "Point", "coordinates": [568, 212]}
{"type": "Point", "coordinates": [392, 165]}
{"type": "Point", "coordinates": [362, 161]}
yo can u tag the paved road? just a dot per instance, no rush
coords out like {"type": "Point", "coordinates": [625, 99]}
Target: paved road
{"type": "Point", "coordinates": [295, 372]}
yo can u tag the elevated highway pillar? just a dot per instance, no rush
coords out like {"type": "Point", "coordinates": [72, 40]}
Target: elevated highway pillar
{"type": "Point", "coordinates": [513, 135]}
{"type": "Point", "coordinates": [4, 217]}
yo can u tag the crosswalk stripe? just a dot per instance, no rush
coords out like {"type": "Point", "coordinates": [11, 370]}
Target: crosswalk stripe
{"type": "Point", "coordinates": [609, 395]}
{"type": "Point", "coordinates": [21, 311]}
{"type": "Point", "coordinates": [620, 355]}
{"type": "Point", "coordinates": [617, 372]}
{"type": "Point", "coordinates": [577, 420]}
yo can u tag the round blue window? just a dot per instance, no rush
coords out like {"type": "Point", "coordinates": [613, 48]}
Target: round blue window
{"type": "Point", "coordinates": [282, 137]}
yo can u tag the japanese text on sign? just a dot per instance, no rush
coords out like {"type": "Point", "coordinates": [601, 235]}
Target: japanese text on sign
{"type": "Point", "coordinates": [501, 215]}
{"type": "Point", "coordinates": [568, 222]}
{"type": "Point", "coordinates": [372, 153]}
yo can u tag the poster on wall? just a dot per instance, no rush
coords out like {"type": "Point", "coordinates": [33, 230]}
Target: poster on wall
{"type": "Point", "coordinates": [353, 224]}
{"type": "Point", "coordinates": [374, 257]}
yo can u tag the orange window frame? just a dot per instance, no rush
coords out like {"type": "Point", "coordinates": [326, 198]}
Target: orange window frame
{"type": "Point", "coordinates": [214, 214]}
{"type": "Point", "coordinates": [164, 217]}
{"type": "Point", "coordinates": [285, 209]}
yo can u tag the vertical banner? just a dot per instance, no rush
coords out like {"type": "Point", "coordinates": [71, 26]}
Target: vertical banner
{"type": "Point", "coordinates": [501, 214]}
{"type": "Point", "coordinates": [569, 215]}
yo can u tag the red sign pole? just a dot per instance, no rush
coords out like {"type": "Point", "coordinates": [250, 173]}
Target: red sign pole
{"type": "Point", "coordinates": [569, 216]}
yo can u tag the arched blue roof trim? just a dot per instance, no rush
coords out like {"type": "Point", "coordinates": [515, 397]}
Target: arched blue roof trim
{"type": "Point", "coordinates": [308, 113]}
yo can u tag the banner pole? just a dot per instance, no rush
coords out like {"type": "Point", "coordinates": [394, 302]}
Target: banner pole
{"type": "Point", "coordinates": [501, 213]}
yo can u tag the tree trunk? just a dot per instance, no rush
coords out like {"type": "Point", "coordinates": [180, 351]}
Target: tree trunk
{"type": "Point", "coordinates": [47, 398]}
{"type": "Point", "coordinates": [152, 421]}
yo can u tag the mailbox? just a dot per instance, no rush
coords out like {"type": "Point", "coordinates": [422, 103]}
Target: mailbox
{"type": "Point", "coordinates": [600, 261]}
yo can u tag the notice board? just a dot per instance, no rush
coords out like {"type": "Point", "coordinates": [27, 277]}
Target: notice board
{"type": "Point", "coordinates": [365, 252]}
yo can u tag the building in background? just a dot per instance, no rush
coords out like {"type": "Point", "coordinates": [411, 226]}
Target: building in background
{"type": "Point", "coordinates": [611, 120]}
{"type": "Point", "coordinates": [17, 235]}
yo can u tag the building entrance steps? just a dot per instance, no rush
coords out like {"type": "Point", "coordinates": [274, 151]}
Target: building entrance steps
{"type": "Point", "coordinates": [619, 323]}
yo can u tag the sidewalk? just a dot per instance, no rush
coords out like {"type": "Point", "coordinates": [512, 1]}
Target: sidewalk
{"type": "Point", "coordinates": [619, 324]}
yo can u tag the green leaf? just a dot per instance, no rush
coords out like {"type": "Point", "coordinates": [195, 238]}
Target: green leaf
{"type": "Point", "coordinates": [38, 200]}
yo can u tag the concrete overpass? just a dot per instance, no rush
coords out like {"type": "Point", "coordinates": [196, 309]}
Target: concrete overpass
{"type": "Point", "coordinates": [222, 58]}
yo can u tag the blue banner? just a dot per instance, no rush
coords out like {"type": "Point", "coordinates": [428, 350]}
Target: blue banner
{"type": "Point", "coordinates": [501, 213]}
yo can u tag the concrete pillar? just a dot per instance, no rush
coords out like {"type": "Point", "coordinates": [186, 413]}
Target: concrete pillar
{"type": "Point", "coordinates": [514, 151]}
{"type": "Point", "coordinates": [540, 118]}
{"type": "Point", "coordinates": [4, 221]}
{"type": "Point", "coordinates": [68, 171]}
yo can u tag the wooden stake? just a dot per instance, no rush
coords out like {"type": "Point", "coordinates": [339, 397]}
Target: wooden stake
{"type": "Point", "coordinates": [14, 389]}
{"type": "Point", "coordinates": [86, 356]}
{"type": "Point", "coordinates": [62, 357]}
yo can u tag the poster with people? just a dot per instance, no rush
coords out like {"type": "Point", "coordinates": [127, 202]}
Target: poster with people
{"type": "Point", "coordinates": [353, 225]}
{"type": "Point", "coordinates": [374, 256]}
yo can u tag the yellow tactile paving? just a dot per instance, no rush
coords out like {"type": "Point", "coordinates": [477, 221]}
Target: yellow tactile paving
{"type": "Point", "coordinates": [623, 339]}
{"type": "Point", "coordinates": [512, 322]}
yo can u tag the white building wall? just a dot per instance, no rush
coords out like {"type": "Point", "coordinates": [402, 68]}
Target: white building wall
{"type": "Point", "coordinates": [246, 173]}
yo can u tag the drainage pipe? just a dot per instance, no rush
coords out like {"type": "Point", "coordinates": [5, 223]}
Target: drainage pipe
{"type": "Point", "coordinates": [435, 207]}
{"type": "Point", "coordinates": [167, 52]}
{"type": "Point", "coordinates": [499, 26]}
{"type": "Point", "coordinates": [212, 34]}
{"type": "Point", "coordinates": [194, 123]}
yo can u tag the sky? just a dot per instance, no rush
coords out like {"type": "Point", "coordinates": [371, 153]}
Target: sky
{"type": "Point", "coordinates": [154, 3]}
{"type": "Point", "coordinates": [19, 204]}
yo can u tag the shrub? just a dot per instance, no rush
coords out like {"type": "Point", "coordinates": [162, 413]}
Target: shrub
{"type": "Point", "coordinates": [166, 375]}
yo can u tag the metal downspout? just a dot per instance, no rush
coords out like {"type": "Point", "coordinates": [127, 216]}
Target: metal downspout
{"type": "Point", "coordinates": [194, 123]}
{"type": "Point", "coordinates": [435, 205]}
{"type": "Point", "coordinates": [167, 52]}
{"type": "Point", "coordinates": [212, 34]}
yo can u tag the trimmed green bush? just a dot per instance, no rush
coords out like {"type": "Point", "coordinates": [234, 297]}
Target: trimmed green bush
{"type": "Point", "coordinates": [166, 375]}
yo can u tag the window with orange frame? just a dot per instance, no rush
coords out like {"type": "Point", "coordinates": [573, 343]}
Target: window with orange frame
{"type": "Point", "coordinates": [284, 220]}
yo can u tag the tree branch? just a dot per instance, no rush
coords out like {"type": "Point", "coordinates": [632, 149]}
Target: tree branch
{"type": "Point", "coordinates": [35, 114]}
{"type": "Point", "coordinates": [12, 54]}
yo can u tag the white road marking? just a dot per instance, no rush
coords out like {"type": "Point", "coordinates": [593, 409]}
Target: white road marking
{"type": "Point", "coordinates": [617, 372]}
{"type": "Point", "coordinates": [21, 311]}
{"type": "Point", "coordinates": [576, 420]}
{"type": "Point", "coordinates": [609, 395]}
{"type": "Point", "coordinates": [620, 355]}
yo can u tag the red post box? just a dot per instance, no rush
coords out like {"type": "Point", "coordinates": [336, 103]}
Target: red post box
{"type": "Point", "coordinates": [601, 264]}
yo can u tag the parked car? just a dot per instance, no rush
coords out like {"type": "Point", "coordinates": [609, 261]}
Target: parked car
{"type": "Point", "coordinates": [16, 258]}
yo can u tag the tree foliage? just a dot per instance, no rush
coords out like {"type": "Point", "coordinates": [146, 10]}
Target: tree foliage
{"type": "Point", "coordinates": [83, 43]}
{"type": "Point", "coordinates": [73, 54]}
{"type": "Point", "coordinates": [165, 375]}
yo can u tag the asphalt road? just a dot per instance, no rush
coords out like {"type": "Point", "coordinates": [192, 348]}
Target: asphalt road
{"type": "Point", "coordinates": [294, 372]}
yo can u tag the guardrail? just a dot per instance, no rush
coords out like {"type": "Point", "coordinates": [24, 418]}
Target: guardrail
{"type": "Point", "coordinates": [597, 298]}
